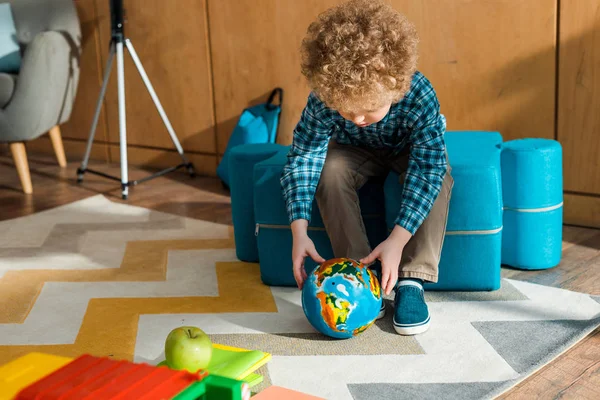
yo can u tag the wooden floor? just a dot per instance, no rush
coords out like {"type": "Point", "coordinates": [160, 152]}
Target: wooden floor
{"type": "Point", "coordinates": [574, 375]}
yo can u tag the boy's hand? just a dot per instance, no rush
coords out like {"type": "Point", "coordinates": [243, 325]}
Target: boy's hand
{"type": "Point", "coordinates": [389, 253]}
{"type": "Point", "coordinates": [303, 247]}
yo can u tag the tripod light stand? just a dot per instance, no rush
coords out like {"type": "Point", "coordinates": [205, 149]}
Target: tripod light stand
{"type": "Point", "coordinates": [117, 43]}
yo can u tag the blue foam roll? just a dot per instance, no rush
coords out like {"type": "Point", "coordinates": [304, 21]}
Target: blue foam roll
{"type": "Point", "coordinates": [532, 240]}
{"type": "Point", "coordinates": [532, 185]}
{"type": "Point", "coordinates": [241, 166]}
{"type": "Point", "coordinates": [532, 173]}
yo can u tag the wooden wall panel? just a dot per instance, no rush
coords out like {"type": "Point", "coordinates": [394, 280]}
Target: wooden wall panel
{"type": "Point", "coordinates": [163, 158]}
{"type": "Point", "coordinates": [582, 210]}
{"type": "Point", "coordinates": [254, 49]}
{"type": "Point", "coordinates": [171, 41]}
{"type": "Point", "coordinates": [74, 150]}
{"type": "Point", "coordinates": [492, 64]}
{"type": "Point", "coordinates": [90, 78]}
{"type": "Point", "coordinates": [579, 95]}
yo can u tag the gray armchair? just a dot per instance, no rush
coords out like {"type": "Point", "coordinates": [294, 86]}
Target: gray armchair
{"type": "Point", "coordinates": [40, 97]}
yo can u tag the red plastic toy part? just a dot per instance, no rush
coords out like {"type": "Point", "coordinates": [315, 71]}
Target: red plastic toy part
{"type": "Point", "coordinates": [89, 377]}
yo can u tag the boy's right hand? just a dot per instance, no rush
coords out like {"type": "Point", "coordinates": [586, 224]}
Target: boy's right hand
{"type": "Point", "coordinates": [303, 247]}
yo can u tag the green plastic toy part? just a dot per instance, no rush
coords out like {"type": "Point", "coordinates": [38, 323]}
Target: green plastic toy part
{"type": "Point", "coordinates": [214, 387]}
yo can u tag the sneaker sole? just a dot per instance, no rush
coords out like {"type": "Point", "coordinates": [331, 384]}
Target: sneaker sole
{"type": "Point", "coordinates": [381, 312]}
{"type": "Point", "coordinates": [409, 330]}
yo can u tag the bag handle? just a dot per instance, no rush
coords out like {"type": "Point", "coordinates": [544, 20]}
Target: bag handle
{"type": "Point", "coordinates": [272, 97]}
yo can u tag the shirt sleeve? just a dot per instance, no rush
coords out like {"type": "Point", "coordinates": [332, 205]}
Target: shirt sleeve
{"type": "Point", "coordinates": [306, 158]}
{"type": "Point", "coordinates": [426, 166]}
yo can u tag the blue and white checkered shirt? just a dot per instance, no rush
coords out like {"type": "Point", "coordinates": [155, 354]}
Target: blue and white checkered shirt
{"type": "Point", "coordinates": [415, 121]}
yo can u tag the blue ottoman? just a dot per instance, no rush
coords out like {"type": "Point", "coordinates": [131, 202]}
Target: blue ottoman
{"type": "Point", "coordinates": [471, 253]}
{"type": "Point", "coordinates": [274, 237]}
{"type": "Point", "coordinates": [470, 258]}
{"type": "Point", "coordinates": [241, 162]}
{"type": "Point", "coordinates": [533, 203]}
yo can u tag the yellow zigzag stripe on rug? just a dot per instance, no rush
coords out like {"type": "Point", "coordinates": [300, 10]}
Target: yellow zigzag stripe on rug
{"type": "Point", "coordinates": [109, 327]}
{"type": "Point", "coordinates": [144, 261]}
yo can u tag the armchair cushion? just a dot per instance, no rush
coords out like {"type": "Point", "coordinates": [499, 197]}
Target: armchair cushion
{"type": "Point", "coordinates": [49, 36]}
{"type": "Point", "coordinates": [7, 88]}
{"type": "Point", "coordinates": [41, 92]}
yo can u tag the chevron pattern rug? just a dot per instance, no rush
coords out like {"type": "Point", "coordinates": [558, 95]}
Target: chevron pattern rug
{"type": "Point", "coordinates": [112, 280]}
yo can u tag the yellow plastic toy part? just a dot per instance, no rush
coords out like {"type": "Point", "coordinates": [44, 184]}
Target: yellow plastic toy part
{"type": "Point", "coordinates": [20, 373]}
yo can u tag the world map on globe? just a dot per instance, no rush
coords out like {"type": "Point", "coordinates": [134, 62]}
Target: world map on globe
{"type": "Point", "coordinates": [341, 298]}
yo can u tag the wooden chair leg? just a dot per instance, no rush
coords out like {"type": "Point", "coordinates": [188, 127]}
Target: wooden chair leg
{"type": "Point", "coordinates": [20, 156]}
{"type": "Point", "coordinates": [57, 144]}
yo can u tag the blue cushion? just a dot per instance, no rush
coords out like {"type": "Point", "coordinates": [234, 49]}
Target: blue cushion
{"type": "Point", "coordinates": [10, 55]}
{"type": "Point", "coordinates": [274, 238]}
{"type": "Point", "coordinates": [271, 208]}
{"type": "Point", "coordinates": [275, 253]}
{"type": "Point", "coordinates": [476, 202]}
{"type": "Point", "coordinates": [469, 262]}
{"type": "Point", "coordinates": [241, 162]}
{"type": "Point", "coordinates": [532, 185]}
{"type": "Point", "coordinates": [471, 252]}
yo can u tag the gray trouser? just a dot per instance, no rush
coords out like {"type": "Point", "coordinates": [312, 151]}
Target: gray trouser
{"type": "Point", "coordinates": [346, 169]}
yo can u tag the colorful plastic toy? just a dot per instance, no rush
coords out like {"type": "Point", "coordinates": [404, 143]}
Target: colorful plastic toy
{"type": "Point", "coordinates": [37, 375]}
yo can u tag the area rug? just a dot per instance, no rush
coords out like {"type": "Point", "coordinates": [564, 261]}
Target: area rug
{"type": "Point", "coordinates": [111, 279]}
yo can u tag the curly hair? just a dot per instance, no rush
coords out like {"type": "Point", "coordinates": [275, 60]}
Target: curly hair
{"type": "Point", "coordinates": [360, 55]}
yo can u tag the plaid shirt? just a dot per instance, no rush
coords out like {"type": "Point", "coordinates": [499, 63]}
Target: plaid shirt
{"type": "Point", "coordinates": [414, 121]}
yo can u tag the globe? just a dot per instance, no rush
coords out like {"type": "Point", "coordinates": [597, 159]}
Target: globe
{"type": "Point", "coordinates": [341, 298]}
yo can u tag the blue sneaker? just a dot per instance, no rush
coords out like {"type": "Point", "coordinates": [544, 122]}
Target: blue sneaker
{"type": "Point", "coordinates": [411, 315]}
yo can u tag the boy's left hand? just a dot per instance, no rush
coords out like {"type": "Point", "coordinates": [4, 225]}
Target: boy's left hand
{"type": "Point", "coordinates": [389, 253]}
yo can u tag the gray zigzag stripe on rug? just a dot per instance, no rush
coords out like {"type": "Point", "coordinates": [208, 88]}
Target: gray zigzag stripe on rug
{"type": "Point", "coordinates": [422, 391]}
{"type": "Point", "coordinates": [590, 326]}
{"type": "Point", "coordinates": [67, 238]}
{"type": "Point", "coordinates": [525, 344]}
{"type": "Point", "coordinates": [596, 298]}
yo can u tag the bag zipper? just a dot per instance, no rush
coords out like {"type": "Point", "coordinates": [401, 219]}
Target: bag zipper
{"type": "Point", "coordinates": [310, 228]}
{"type": "Point", "coordinates": [273, 226]}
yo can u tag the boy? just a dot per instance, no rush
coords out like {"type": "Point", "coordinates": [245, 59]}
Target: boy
{"type": "Point", "coordinates": [360, 61]}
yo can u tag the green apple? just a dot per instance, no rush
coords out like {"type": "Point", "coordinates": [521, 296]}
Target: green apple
{"type": "Point", "coordinates": [189, 348]}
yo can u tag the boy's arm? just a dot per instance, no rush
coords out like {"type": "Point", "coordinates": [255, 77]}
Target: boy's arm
{"type": "Point", "coordinates": [306, 158]}
{"type": "Point", "coordinates": [426, 166]}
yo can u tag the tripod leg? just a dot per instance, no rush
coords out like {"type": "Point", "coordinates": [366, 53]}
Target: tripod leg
{"type": "Point", "coordinates": [122, 120]}
{"type": "Point", "coordinates": [159, 107]}
{"type": "Point", "coordinates": [90, 142]}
